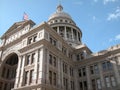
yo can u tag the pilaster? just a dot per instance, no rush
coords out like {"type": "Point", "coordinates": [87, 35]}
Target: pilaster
{"type": "Point", "coordinates": [22, 72]}
{"type": "Point", "coordinates": [36, 66]}
{"type": "Point", "coordinates": [65, 35]}
{"type": "Point", "coordinates": [115, 68]}
{"type": "Point", "coordinates": [101, 76]}
{"type": "Point", "coordinates": [59, 72]}
{"type": "Point", "coordinates": [41, 77]}
{"type": "Point", "coordinates": [47, 66]}
{"type": "Point", "coordinates": [88, 78]}
{"type": "Point", "coordinates": [72, 34]}
{"type": "Point", "coordinates": [18, 72]}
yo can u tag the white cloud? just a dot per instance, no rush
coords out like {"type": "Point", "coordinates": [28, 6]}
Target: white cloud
{"type": "Point", "coordinates": [107, 1]}
{"type": "Point", "coordinates": [114, 15]}
{"type": "Point", "coordinates": [117, 37]}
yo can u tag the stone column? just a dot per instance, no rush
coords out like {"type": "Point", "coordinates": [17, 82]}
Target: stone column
{"type": "Point", "coordinates": [65, 36]}
{"type": "Point", "coordinates": [115, 68]}
{"type": "Point", "coordinates": [77, 35]}
{"type": "Point", "coordinates": [22, 72]}
{"type": "Point", "coordinates": [76, 78]}
{"type": "Point", "coordinates": [28, 80]}
{"type": "Point", "coordinates": [36, 66]}
{"type": "Point", "coordinates": [61, 66]}
{"type": "Point", "coordinates": [69, 83]}
{"type": "Point", "coordinates": [88, 78]}
{"type": "Point", "coordinates": [59, 72]}
{"type": "Point", "coordinates": [18, 72]}
{"type": "Point", "coordinates": [41, 77]}
{"type": "Point", "coordinates": [72, 34]}
{"type": "Point", "coordinates": [101, 76]}
{"type": "Point", "coordinates": [47, 66]}
{"type": "Point", "coordinates": [58, 30]}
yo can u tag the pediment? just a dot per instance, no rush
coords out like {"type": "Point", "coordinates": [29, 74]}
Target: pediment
{"type": "Point", "coordinates": [17, 25]}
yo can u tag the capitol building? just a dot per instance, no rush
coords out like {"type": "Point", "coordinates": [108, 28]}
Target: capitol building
{"type": "Point", "coordinates": [51, 56]}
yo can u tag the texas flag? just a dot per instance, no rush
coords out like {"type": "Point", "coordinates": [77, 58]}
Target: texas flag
{"type": "Point", "coordinates": [25, 16]}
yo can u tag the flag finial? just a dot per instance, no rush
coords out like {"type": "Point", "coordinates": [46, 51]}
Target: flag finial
{"type": "Point", "coordinates": [25, 16]}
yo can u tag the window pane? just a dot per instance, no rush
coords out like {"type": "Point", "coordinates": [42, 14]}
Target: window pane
{"type": "Point", "coordinates": [50, 59]}
{"type": "Point", "coordinates": [104, 66]}
{"type": "Point", "coordinates": [50, 77]}
{"type": "Point", "coordinates": [26, 77]}
{"type": "Point", "coordinates": [113, 81]}
{"type": "Point", "coordinates": [28, 59]}
{"type": "Point", "coordinates": [99, 84]}
{"type": "Point", "coordinates": [107, 81]}
{"type": "Point", "coordinates": [33, 58]}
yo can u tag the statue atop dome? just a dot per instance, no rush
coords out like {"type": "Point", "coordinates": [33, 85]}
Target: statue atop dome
{"type": "Point", "coordinates": [59, 8]}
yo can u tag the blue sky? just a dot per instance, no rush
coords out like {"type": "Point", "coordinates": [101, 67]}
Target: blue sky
{"type": "Point", "coordinates": [99, 20]}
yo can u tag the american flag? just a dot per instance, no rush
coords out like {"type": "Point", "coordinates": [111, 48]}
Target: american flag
{"type": "Point", "coordinates": [25, 16]}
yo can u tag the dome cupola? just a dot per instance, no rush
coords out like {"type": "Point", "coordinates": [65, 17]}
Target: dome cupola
{"type": "Point", "coordinates": [63, 24]}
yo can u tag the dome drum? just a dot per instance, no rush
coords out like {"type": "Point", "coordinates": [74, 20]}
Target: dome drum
{"type": "Point", "coordinates": [68, 33]}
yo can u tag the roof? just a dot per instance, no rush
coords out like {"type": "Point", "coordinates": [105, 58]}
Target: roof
{"type": "Point", "coordinates": [60, 13]}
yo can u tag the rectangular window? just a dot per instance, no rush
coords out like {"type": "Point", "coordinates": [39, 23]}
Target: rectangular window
{"type": "Point", "coordinates": [65, 67]}
{"type": "Point", "coordinates": [78, 57]}
{"type": "Point", "coordinates": [50, 59]}
{"type": "Point", "coordinates": [54, 60]}
{"type": "Point", "coordinates": [82, 55]}
{"type": "Point", "coordinates": [84, 71]}
{"type": "Point", "coordinates": [72, 85]}
{"type": "Point", "coordinates": [64, 50]}
{"type": "Point", "coordinates": [79, 73]}
{"type": "Point", "coordinates": [53, 41]}
{"type": "Point", "coordinates": [93, 84]}
{"type": "Point", "coordinates": [107, 80]}
{"type": "Point", "coordinates": [28, 59]}
{"type": "Point", "coordinates": [104, 66]}
{"type": "Point", "coordinates": [26, 77]}
{"type": "Point", "coordinates": [54, 78]}
{"type": "Point", "coordinates": [99, 84]}
{"type": "Point", "coordinates": [81, 85]}
{"type": "Point", "coordinates": [29, 40]}
{"type": "Point", "coordinates": [71, 71]}
{"type": "Point", "coordinates": [113, 82]}
{"type": "Point", "coordinates": [96, 69]}
{"type": "Point", "coordinates": [85, 85]}
{"type": "Point", "coordinates": [34, 38]}
{"type": "Point", "coordinates": [33, 58]}
{"type": "Point", "coordinates": [50, 77]}
{"type": "Point", "coordinates": [66, 84]}
{"type": "Point", "coordinates": [109, 65]}
{"type": "Point", "coordinates": [91, 70]}
{"type": "Point", "coordinates": [31, 76]}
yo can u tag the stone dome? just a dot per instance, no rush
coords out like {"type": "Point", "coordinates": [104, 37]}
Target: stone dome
{"type": "Point", "coordinates": [60, 13]}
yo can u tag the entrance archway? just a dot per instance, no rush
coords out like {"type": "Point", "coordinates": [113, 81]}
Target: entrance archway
{"type": "Point", "coordinates": [9, 72]}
